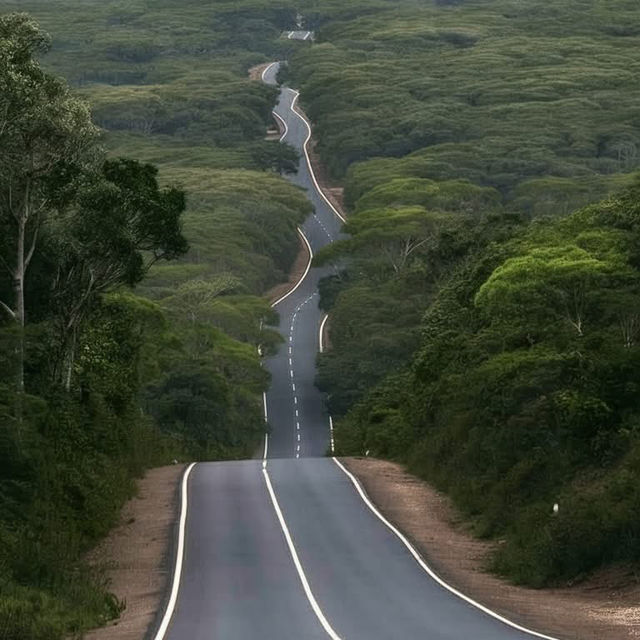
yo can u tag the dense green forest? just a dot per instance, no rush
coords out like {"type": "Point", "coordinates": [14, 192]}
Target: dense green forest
{"type": "Point", "coordinates": [486, 313]}
{"type": "Point", "coordinates": [484, 322]}
{"type": "Point", "coordinates": [132, 153]}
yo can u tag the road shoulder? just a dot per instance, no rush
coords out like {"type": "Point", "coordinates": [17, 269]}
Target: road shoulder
{"type": "Point", "coordinates": [605, 606]}
{"type": "Point", "coordinates": [137, 554]}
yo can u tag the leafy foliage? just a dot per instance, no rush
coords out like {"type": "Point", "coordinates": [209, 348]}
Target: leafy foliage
{"type": "Point", "coordinates": [115, 382]}
{"type": "Point", "coordinates": [521, 394]}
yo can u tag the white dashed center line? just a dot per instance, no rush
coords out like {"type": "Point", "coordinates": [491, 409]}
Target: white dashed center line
{"type": "Point", "coordinates": [291, 372]}
{"type": "Point", "coordinates": [315, 217]}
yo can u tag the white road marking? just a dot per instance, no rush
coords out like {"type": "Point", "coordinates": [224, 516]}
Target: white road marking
{"type": "Point", "coordinates": [298, 437]}
{"type": "Point", "coordinates": [177, 572]}
{"type": "Point", "coordinates": [296, 413]}
{"type": "Point", "coordinates": [296, 561]}
{"type": "Point", "coordinates": [293, 386]}
{"type": "Point", "coordinates": [333, 446]}
{"type": "Point", "coordinates": [296, 95]}
{"type": "Point", "coordinates": [295, 401]}
{"type": "Point", "coordinates": [290, 362]}
{"type": "Point", "coordinates": [266, 435]}
{"type": "Point", "coordinates": [428, 569]}
{"type": "Point", "coordinates": [321, 333]}
{"type": "Point", "coordinates": [307, 35]}
{"type": "Point", "coordinates": [266, 69]}
{"type": "Point", "coordinates": [286, 127]}
{"type": "Point", "coordinates": [304, 275]}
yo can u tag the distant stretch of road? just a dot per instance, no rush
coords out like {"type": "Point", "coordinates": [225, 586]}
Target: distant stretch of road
{"type": "Point", "coordinates": [299, 35]}
{"type": "Point", "coordinates": [288, 547]}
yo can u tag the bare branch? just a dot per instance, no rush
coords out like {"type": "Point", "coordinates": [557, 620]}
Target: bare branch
{"type": "Point", "coordinates": [34, 241]}
{"type": "Point", "coordinates": [8, 310]}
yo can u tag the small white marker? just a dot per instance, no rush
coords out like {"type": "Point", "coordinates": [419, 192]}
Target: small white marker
{"type": "Point", "coordinates": [293, 387]}
{"type": "Point", "coordinates": [295, 401]}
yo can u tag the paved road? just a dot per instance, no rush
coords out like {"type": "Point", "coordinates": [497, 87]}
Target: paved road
{"type": "Point", "coordinates": [299, 34]}
{"type": "Point", "coordinates": [286, 548]}
{"type": "Point", "coordinates": [295, 408]}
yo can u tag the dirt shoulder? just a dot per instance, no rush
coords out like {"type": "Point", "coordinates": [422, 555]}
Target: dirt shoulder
{"type": "Point", "coordinates": [605, 606]}
{"type": "Point", "coordinates": [255, 73]}
{"type": "Point", "coordinates": [137, 554]}
{"type": "Point", "coordinates": [333, 192]}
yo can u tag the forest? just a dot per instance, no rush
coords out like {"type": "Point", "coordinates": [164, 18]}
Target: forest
{"type": "Point", "coordinates": [484, 315]}
{"type": "Point", "coordinates": [144, 216]}
{"type": "Point", "coordinates": [484, 320]}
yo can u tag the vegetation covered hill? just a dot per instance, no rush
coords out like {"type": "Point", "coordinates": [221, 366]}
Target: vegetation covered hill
{"type": "Point", "coordinates": [98, 382]}
{"type": "Point", "coordinates": [484, 323]}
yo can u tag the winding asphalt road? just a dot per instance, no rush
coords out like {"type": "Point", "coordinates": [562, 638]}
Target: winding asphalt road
{"type": "Point", "coordinates": [289, 547]}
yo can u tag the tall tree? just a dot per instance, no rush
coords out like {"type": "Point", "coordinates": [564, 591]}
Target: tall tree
{"type": "Point", "coordinates": [118, 224]}
{"type": "Point", "coordinates": [45, 134]}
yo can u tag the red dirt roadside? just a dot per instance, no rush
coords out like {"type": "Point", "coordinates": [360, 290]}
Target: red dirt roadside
{"type": "Point", "coordinates": [136, 554]}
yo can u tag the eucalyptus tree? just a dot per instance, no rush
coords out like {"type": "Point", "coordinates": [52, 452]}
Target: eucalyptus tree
{"type": "Point", "coordinates": [46, 135]}
{"type": "Point", "coordinates": [118, 223]}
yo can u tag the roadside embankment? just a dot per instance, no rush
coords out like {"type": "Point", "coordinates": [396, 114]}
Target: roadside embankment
{"type": "Point", "coordinates": [605, 606]}
{"type": "Point", "coordinates": [137, 554]}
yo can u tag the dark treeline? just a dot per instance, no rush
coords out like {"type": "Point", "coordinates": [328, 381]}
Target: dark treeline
{"type": "Point", "coordinates": [484, 322]}
{"type": "Point", "coordinates": [99, 381]}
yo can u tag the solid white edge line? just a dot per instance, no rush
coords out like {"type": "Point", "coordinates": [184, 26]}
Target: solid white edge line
{"type": "Point", "coordinates": [304, 275]}
{"type": "Point", "coordinates": [428, 569]}
{"type": "Point", "coordinates": [264, 72]}
{"type": "Point", "coordinates": [296, 561]}
{"type": "Point", "coordinates": [321, 333]}
{"type": "Point", "coordinates": [266, 433]}
{"type": "Point", "coordinates": [177, 572]}
{"type": "Point", "coordinates": [306, 154]}
{"type": "Point", "coordinates": [286, 127]}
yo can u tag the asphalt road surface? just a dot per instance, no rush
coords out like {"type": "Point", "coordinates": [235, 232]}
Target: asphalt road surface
{"type": "Point", "coordinates": [286, 547]}
{"type": "Point", "coordinates": [299, 34]}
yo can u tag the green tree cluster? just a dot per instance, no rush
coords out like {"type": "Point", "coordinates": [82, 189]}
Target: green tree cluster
{"type": "Point", "coordinates": [483, 321]}
{"type": "Point", "coordinates": [521, 392]}
{"type": "Point", "coordinates": [96, 383]}
{"type": "Point", "coordinates": [532, 99]}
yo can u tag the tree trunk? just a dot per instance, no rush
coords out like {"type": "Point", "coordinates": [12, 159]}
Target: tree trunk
{"type": "Point", "coordinates": [70, 361]}
{"type": "Point", "coordinates": [18, 291]}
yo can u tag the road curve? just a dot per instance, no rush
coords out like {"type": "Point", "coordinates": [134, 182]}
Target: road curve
{"type": "Point", "coordinates": [286, 547]}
